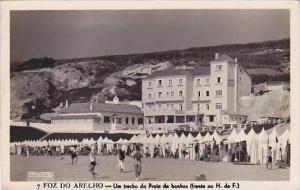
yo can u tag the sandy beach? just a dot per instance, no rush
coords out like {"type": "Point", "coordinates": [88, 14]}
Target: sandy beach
{"type": "Point", "coordinates": [152, 170]}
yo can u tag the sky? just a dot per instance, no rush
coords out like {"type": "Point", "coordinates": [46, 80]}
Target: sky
{"type": "Point", "coordinates": [76, 34]}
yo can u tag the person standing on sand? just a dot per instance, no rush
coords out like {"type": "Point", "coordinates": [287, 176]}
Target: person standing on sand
{"type": "Point", "coordinates": [121, 160]}
{"type": "Point", "coordinates": [92, 158]}
{"type": "Point", "coordinates": [27, 151]}
{"type": "Point", "coordinates": [137, 155]}
{"type": "Point", "coordinates": [269, 158]}
{"type": "Point", "coordinates": [197, 156]}
{"type": "Point", "coordinates": [73, 155]}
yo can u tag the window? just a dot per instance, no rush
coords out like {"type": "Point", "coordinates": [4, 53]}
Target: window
{"type": "Point", "coordinates": [207, 106]}
{"type": "Point", "coordinates": [106, 119]}
{"type": "Point", "coordinates": [218, 79]}
{"type": "Point", "coordinates": [180, 93]}
{"type": "Point", "coordinates": [206, 81]}
{"type": "Point", "coordinates": [198, 81]}
{"type": "Point", "coordinates": [132, 121]}
{"type": "Point", "coordinates": [149, 96]}
{"type": "Point", "coordinates": [159, 82]}
{"type": "Point", "coordinates": [218, 67]}
{"type": "Point", "coordinates": [180, 107]}
{"type": "Point", "coordinates": [168, 106]}
{"type": "Point", "coordinates": [218, 92]}
{"type": "Point", "coordinates": [140, 121]}
{"type": "Point", "coordinates": [119, 120]}
{"type": "Point", "coordinates": [172, 94]}
{"type": "Point", "coordinates": [180, 81]}
{"type": "Point", "coordinates": [170, 82]}
{"type": "Point", "coordinates": [207, 93]}
{"type": "Point", "coordinates": [218, 106]}
{"type": "Point", "coordinates": [172, 106]}
{"type": "Point", "coordinates": [168, 93]}
{"type": "Point", "coordinates": [159, 94]}
{"type": "Point", "coordinates": [126, 120]}
{"type": "Point", "coordinates": [211, 118]}
{"type": "Point", "coordinates": [159, 106]}
{"type": "Point", "coordinates": [199, 93]}
{"type": "Point", "coordinates": [149, 83]}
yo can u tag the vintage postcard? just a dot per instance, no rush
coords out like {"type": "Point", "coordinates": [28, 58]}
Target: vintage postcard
{"type": "Point", "coordinates": [150, 95]}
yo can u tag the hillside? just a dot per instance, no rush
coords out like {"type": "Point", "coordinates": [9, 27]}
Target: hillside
{"type": "Point", "coordinates": [41, 84]}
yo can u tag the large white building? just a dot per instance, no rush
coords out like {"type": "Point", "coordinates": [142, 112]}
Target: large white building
{"type": "Point", "coordinates": [206, 97]}
{"type": "Point", "coordinates": [112, 116]}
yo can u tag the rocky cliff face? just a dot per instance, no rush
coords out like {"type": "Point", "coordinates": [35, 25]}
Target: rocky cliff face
{"type": "Point", "coordinates": [269, 104]}
{"type": "Point", "coordinates": [40, 85]}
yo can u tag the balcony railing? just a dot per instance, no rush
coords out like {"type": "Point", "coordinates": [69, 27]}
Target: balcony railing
{"type": "Point", "coordinates": [166, 99]}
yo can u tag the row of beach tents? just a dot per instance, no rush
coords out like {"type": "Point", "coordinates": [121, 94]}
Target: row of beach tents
{"type": "Point", "coordinates": [257, 143]}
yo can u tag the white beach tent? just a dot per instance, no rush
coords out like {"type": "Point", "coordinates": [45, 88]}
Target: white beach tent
{"type": "Point", "coordinates": [263, 143]}
{"type": "Point", "coordinates": [283, 139]}
{"type": "Point", "coordinates": [252, 146]}
{"type": "Point", "coordinates": [163, 144]}
{"type": "Point", "coordinates": [233, 137]}
{"type": "Point", "coordinates": [174, 143]}
{"type": "Point", "coordinates": [273, 142]}
{"type": "Point", "coordinates": [190, 142]}
{"type": "Point", "coordinates": [216, 137]}
{"type": "Point", "coordinates": [156, 139]}
{"type": "Point", "coordinates": [241, 135]}
{"type": "Point", "coordinates": [133, 139]}
{"type": "Point", "coordinates": [207, 139]}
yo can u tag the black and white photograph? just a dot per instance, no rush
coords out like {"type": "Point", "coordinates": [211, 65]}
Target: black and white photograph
{"type": "Point", "coordinates": [150, 95]}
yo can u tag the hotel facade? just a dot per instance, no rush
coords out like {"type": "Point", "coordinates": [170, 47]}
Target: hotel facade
{"type": "Point", "coordinates": [203, 98]}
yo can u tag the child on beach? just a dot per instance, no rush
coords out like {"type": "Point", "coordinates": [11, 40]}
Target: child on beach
{"type": "Point", "coordinates": [269, 158]}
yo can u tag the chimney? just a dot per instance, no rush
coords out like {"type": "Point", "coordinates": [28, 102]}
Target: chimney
{"type": "Point", "coordinates": [67, 104]}
{"type": "Point", "coordinates": [91, 106]}
{"type": "Point", "coordinates": [235, 60]}
{"type": "Point", "coordinates": [216, 56]}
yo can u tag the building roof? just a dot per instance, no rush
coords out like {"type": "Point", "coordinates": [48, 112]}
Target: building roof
{"type": "Point", "coordinates": [75, 116]}
{"type": "Point", "coordinates": [173, 72]}
{"type": "Point", "coordinates": [224, 57]}
{"type": "Point", "coordinates": [101, 107]}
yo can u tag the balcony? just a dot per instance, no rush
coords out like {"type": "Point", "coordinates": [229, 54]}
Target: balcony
{"type": "Point", "coordinates": [168, 99]}
{"type": "Point", "coordinates": [201, 98]}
